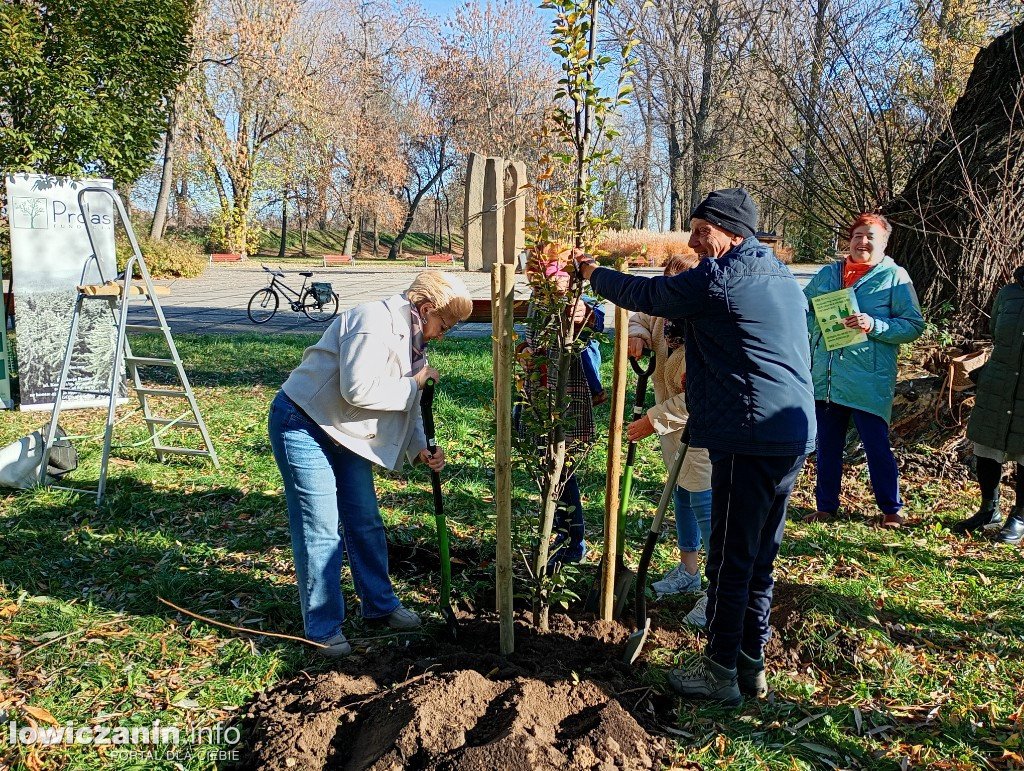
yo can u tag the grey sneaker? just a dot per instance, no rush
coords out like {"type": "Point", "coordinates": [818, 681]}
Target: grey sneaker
{"type": "Point", "coordinates": [403, 620]}
{"type": "Point", "coordinates": [678, 581]}
{"type": "Point", "coordinates": [698, 616]}
{"type": "Point", "coordinates": [707, 681]}
{"type": "Point", "coordinates": [750, 676]}
{"type": "Point", "coordinates": [337, 647]}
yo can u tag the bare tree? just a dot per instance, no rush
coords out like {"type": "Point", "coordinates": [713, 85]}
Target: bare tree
{"type": "Point", "coordinates": [258, 63]}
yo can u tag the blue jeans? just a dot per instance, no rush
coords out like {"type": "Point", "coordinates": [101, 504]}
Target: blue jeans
{"type": "Point", "coordinates": [833, 420]}
{"type": "Point", "coordinates": [570, 523]}
{"type": "Point", "coordinates": [693, 519]}
{"type": "Point", "coordinates": [590, 360]}
{"type": "Point", "coordinates": [325, 486]}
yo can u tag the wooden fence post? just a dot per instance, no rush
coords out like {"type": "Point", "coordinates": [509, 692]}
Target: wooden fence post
{"type": "Point", "coordinates": [502, 305]}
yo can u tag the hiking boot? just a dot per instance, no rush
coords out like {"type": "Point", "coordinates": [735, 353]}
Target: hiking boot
{"type": "Point", "coordinates": [571, 552]}
{"type": "Point", "coordinates": [403, 620]}
{"type": "Point", "coordinates": [678, 581]}
{"type": "Point", "coordinates": [987, 518]}
{"type": "Point", "coordinates": [1013, 529]}
{"type": "Point", "coordinates": [707, 680]}
{"type": "Point", "coordinates": [337, 647]}
{"type": "Point", "coordinates": [750, 676]}
{"type": "Point", "coordinates": [698, 616]}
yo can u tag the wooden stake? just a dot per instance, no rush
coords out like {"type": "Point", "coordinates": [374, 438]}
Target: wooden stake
{"type": "Point", "coordinates": [611, 488]}
{"type": "Point", "coordinates": [502, 300]}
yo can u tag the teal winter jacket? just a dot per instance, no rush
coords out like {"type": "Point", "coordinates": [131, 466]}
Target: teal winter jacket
{"type": "Point", "coordinates": [863, 375]}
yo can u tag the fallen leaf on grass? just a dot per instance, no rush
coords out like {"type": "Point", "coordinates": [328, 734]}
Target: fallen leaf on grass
{"type": "Point", "coordinates": [809, 719]}
{"type": "Point", "coordinates": [40, 714]}
{"type": "Point", "coordinates": [820, 749]}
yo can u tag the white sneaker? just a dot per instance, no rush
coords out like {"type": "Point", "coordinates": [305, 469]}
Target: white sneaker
{"type": "Point", "coordinates": [678, 581]}
{"type": "Point", "coordinates": [337, 647]}
{"type": "Point", "coordinates": [403, 620]}
{"type": "Point", "coordinates": [698, 616]}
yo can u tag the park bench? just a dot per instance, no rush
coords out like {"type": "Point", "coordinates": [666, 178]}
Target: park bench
{"type": "Point", "coordinates": [339, 259]}
{"type": "Point", "coordinates": [482, 311]}
{"type": "Point", "coordinates": [225, 258]}
{"type": "Point", "coordinates": [438, 259]}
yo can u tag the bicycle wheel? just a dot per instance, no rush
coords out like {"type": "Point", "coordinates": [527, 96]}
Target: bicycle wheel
{"type": "Point", "coordinates": [317, 311]}
{"type": "Point", "coordinates": [262, 306]}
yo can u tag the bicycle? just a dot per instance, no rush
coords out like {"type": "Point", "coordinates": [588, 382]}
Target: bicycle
{"type": "Point", "coordinates": [319, 302]}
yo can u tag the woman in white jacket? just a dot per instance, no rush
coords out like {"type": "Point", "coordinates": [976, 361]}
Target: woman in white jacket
{"type": "Point", "coordinates": [668, 418]}
{"type": "Point", "coordinates": [352, 403]}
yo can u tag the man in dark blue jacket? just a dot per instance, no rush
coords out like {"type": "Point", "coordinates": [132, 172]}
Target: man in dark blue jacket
{"type": "Point", "coordinates": [748, 387]}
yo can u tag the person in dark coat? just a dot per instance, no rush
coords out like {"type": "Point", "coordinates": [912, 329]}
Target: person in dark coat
{"type": "Point", "coordinates": [751, 405]}
{"type": "Point", "coordinates": [997, 421]}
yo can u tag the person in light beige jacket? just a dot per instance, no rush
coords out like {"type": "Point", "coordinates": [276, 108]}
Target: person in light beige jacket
{"type": "Point", "coordinates": [350, 405]}
{"type": "Point", "coordinates": [667, 418]}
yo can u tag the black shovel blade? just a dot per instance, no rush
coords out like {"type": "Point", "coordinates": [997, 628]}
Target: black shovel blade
{"type": "Point", "coordinates": [636, 641]}
{"type": "Point", "coordinates": [451, 623]}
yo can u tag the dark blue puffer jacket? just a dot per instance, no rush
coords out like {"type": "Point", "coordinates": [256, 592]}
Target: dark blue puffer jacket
{"type": "Point", "coordinates": [748, 381]}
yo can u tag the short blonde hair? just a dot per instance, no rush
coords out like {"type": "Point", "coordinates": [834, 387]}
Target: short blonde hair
{"type": "Point", "coordinates": [445, 291]}
{"type": "Point", "coordinates": [679, 263]}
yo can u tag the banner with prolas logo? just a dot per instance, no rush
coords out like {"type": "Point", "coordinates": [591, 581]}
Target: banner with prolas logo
{"type": "Point", "coordinates": [51, 255]}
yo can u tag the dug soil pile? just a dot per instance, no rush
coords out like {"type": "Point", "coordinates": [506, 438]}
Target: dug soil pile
{"type": "Point", "coordinates": [562, 701]}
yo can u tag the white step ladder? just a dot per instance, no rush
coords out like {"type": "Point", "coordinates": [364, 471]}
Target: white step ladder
{"type": "Point", "coordinates": [119, 296]}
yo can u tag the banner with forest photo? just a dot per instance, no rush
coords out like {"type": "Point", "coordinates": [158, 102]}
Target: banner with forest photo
{"type": "Point", "coordinates": [50, 256]}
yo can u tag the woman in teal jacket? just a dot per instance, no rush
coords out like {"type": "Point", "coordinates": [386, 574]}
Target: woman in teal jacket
{"type": "Point", "coordinates": [858, 381]}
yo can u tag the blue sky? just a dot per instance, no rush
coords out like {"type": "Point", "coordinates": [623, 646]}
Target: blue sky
{"type": "Point", "coordinates": [440, 8]}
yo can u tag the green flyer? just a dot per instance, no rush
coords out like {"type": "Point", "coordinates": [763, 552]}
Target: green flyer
{"type": "Point", "coordinates": [830, 310]}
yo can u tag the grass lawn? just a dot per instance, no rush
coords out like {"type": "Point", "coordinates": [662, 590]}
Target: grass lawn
{"type": "Point", "coordinates": [332, 241]}
{"type": "Point", "coordinates": [916, 636]}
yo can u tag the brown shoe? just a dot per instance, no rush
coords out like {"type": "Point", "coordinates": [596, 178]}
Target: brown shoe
{"type": "Point", "coordinates": [892, 520]}
{"type": "Point", "coordinates": [818, 516]}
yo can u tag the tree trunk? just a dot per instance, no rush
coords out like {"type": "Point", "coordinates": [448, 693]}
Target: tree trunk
{"type": "Point", "coordinates": [376, 237]}
{"type": "Point", "coordinates": [156, 231]}
{"type": "Point", "coordinates": [811, 244]}
{"type": "Point", "coordinates": [959, 223]}
{"type": "Point", "coordinates": [396, 245]}
{"type": "Point", "coordinates": [350, 236]}
{"type": "Point", "coordinates": [643, 184]}
{"type": "Point", "coordinates": [359, 235]}
{"type": "Point", "coordinates": [703, 140]}
{"type": "Point", "coordinates": [284, 224]}
{"type": "Point", "coordinates": [448, 218]}
{"type": "Point", "coordinates": [181, 209]}
{"type": "Point", "coordinates": [676, 156]}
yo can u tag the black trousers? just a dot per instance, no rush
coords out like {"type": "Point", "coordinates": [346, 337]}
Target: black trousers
{"type": "Point", "coordinates": [749, 496]}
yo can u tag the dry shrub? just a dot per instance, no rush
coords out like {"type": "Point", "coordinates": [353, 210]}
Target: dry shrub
{"type": "Point", "coordinates": [170, 257]}
{"type": "Point", "coordinates": [629, 244]}
{"type": "Point", "coordinates": [784, 252]}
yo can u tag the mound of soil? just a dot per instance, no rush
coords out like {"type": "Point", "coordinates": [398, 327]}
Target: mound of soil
{"type": "Point", "coordinates": [562, 701]}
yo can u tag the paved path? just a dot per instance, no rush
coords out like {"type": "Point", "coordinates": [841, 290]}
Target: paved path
{"type": "Point", "coordinates": [216, 301]}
